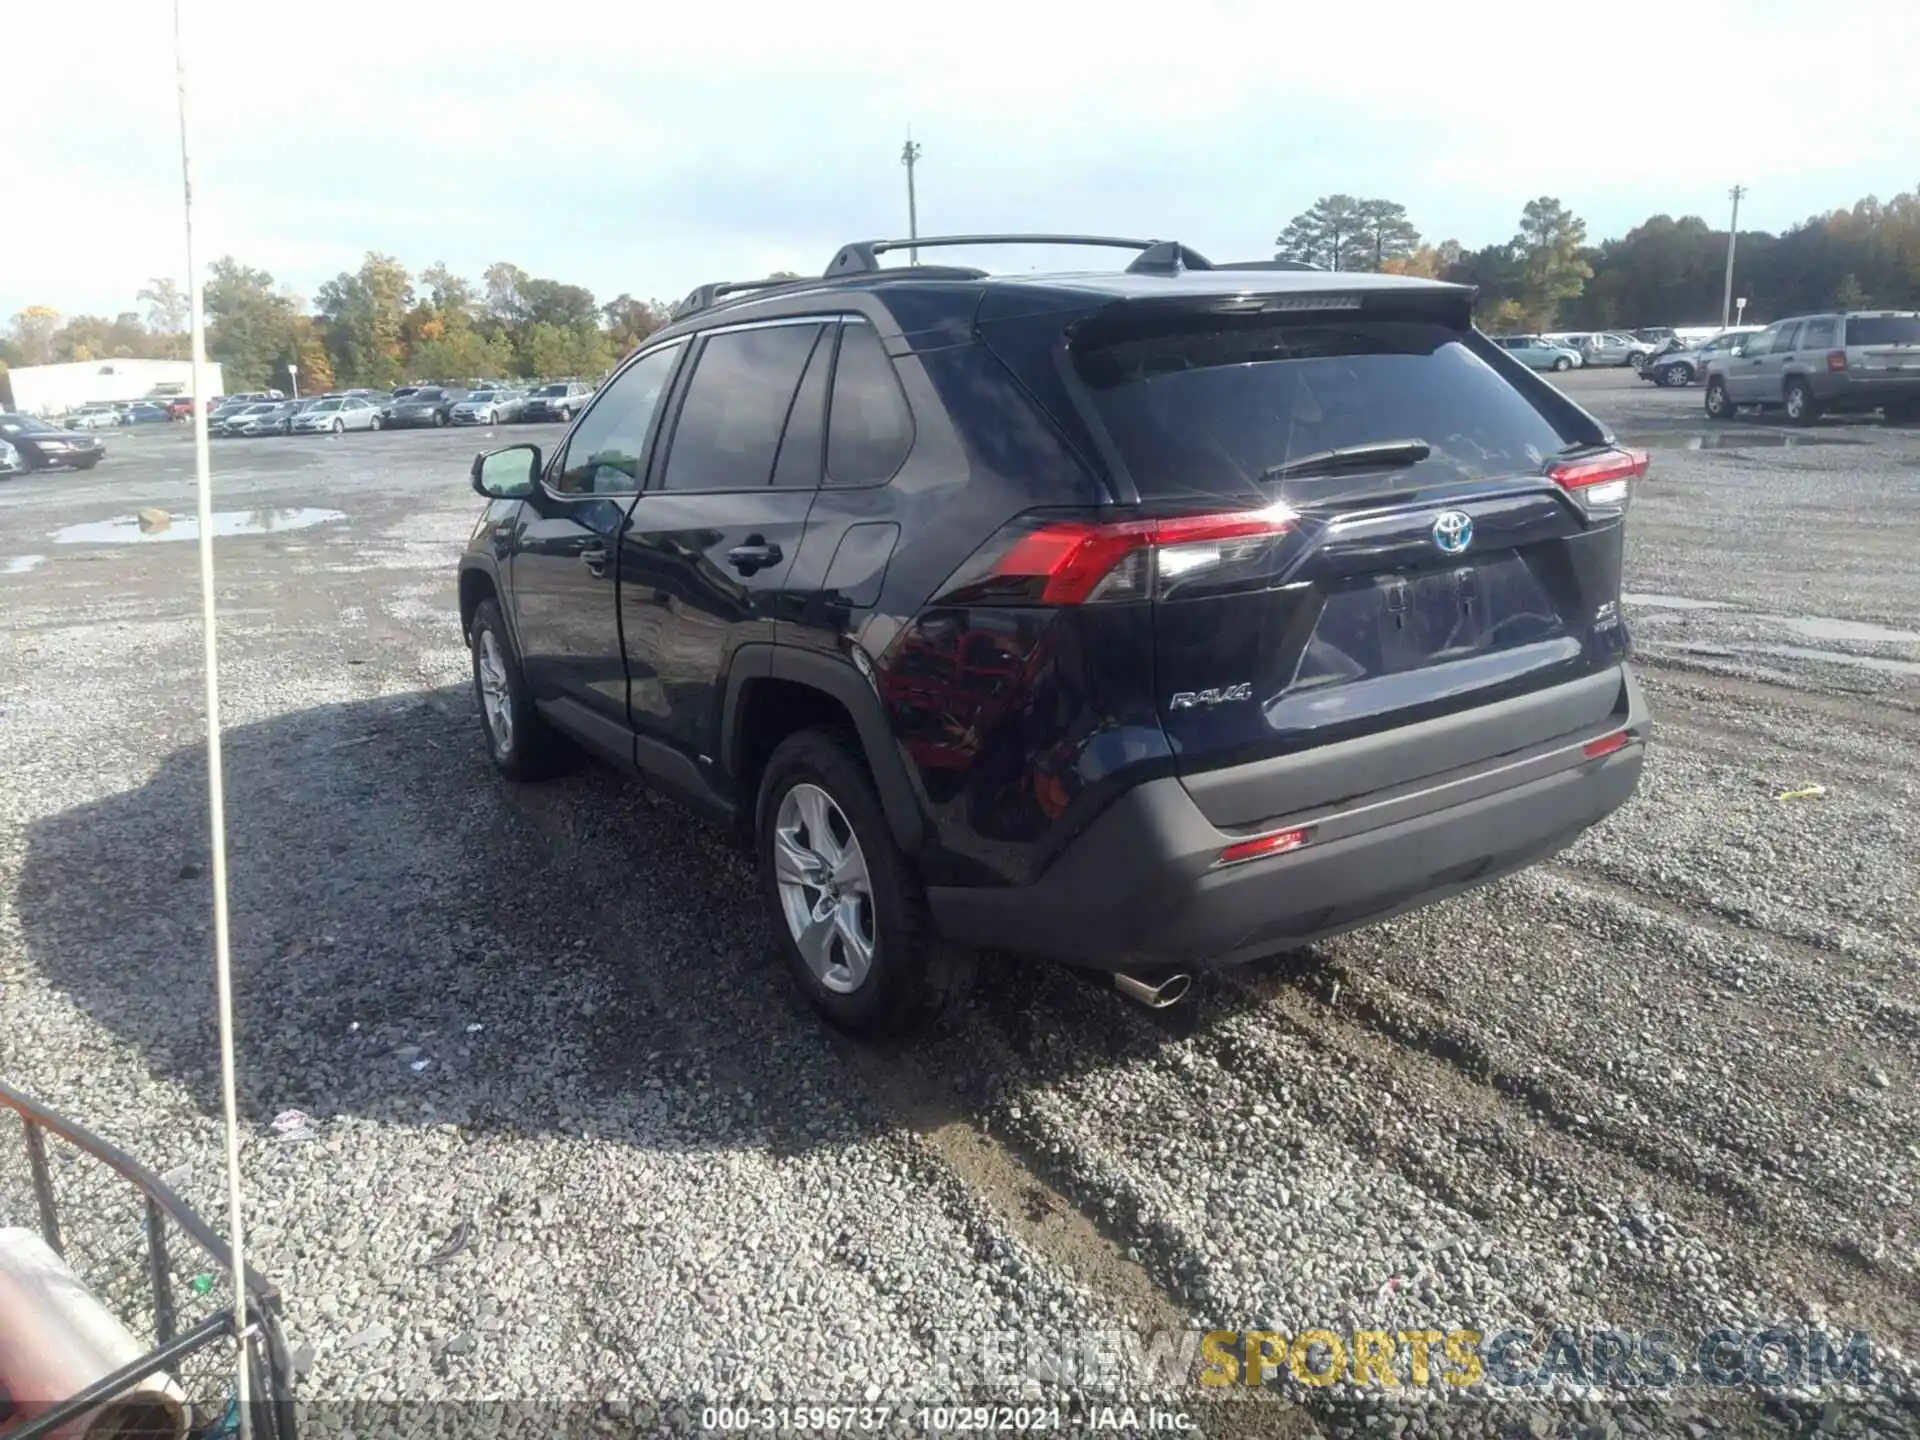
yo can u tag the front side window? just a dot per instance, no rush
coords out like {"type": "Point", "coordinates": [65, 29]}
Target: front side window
{"type": "Point", "coordinates": [608, 447]}
{"type": "Point", "coordinates": [736, 408]}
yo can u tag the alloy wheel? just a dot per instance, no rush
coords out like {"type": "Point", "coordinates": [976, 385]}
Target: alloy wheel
{"type": "Point", "coordinates": [496, 698]}
{"type": "Point", "coordinates": [826, 892]}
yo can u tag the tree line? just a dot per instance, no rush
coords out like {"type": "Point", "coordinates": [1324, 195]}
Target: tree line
{"type": "Point", "coordinates": [378, 325]}
{"type": "Point", "coordinates": [381, 325]}
{"type": "Point", "coordinates": [1662, 272]}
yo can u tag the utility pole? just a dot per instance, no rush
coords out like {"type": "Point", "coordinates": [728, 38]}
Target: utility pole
{"type": "Point", "coordinates": [909, 155]}
{"type": "Point", "coordinates": [1733, 234]}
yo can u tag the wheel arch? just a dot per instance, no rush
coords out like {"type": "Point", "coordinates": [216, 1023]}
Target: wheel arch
{"type": "Point", "coordinates": [774, 691]}
{"type": "Point", "coordinates": [478, 583]}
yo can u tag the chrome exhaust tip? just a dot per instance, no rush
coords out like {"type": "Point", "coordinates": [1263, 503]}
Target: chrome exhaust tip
{"type": "Point", "coordinates": [1156, 993]}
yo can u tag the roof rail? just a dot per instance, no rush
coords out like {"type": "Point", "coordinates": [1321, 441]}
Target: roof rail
{"type": "Point", "coordinates": [861, 257]}
{"type": "Point", "coordinates": [706, 296]}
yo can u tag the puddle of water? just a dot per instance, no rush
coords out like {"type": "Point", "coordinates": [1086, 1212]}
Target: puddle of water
{"type": "Point", "coordinates": [1675, 602]}
{"type": "Point", "coordinates": [21, 564]}
{"type": "Point", "coordinates": [128, 530]}
{"type": "Point", "coordinates": [1816, 628]}
{"type": "Point", "coordinates": [1740, 439]}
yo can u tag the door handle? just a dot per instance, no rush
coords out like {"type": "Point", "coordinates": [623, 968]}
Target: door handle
{"type": "Point", "coordinates": [754, 555]}
{"type": "Point", "coordinates": [596, 562]}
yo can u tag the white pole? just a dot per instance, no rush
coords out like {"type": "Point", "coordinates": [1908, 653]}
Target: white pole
{"type": "Point", "coordinates": [216, 788]}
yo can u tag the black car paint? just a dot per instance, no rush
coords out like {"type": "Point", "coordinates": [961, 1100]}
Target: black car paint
{"type": "Point", "coordinates": [997, 735]}
{"type": "Point", "coordinates": [77, 450]}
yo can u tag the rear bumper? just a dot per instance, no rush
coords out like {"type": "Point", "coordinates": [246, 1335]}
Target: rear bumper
{"type": "Point", "coordinates": [1140, 888]}
{"type": "Point", "coordinates": [1857, 390]}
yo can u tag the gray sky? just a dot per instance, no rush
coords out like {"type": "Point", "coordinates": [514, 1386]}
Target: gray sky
{"type": "Point", "coordinates": [627, 148]}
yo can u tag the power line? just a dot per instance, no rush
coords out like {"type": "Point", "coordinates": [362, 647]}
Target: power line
{"type": "Point", "coordinates": [1736, 194]}
{"type": "Point", "coordinates": [909, 157]}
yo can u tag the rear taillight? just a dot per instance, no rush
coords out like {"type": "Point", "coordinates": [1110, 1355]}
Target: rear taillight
{"type": "Point", "coordinates": [1279, 843]}
{"type": "Point", "coordinates": [1060, 560]}
{"type": "Point", "coordinates": [1836, 360]}
{"type": "Point", "coordinates": [1599, 483]}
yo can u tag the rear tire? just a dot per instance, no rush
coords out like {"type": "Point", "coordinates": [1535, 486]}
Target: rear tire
{"type": "Point", "coordinates": [1719, 404]}
{"type": "Point", "coordinates": [878, 968]}
{"type": "Point", "coordinates": [1801, 407]}
{"type": "Point", "coordinates": [520, 743]}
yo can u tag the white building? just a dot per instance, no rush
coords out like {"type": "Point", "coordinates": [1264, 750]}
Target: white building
{"type": "Point", "coordinates": [56, 389]}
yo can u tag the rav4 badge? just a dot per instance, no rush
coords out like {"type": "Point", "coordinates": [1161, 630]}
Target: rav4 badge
{"type": "Point", "coordinates": [1193, 699]}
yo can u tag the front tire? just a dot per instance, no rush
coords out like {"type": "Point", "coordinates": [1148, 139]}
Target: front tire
{"type": "Point", "coordinates": [847, 911]}
{"type": "Point", "coordinates": [1801, 407]}
{"type": "Point", "coordinates": [1637, 361]}
{"type": "Point", "coordinates": [375, 423]}
{"type": "Point", "coordinates": [520, 743]}
{"type": "Point", "coordinates": [1563, 363]}
{"type": "Point", "coordinates": [1718, 404]}
{"type": "Point", "coordinates": [566, 414]}
{"type": "Point", "coordinates": [339, 427]}
{"type": "Point", "coordinates": [439, 419]}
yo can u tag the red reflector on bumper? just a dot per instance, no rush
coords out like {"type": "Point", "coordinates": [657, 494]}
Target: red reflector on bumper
{"type": "Point", "coordinates": [1606, 745]}
{"type": "Point", "coordinates": [1276, 844]}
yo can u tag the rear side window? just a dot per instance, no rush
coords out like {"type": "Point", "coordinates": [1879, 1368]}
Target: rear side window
{"type": "Point", "coordinates": [1883, 330]}
{"type": "Point", "coordinates": [870, 429]}
{"type": "Point", "coordinates": [730, 423]}
{"type": "Point", "coordinates": [1208, 413]}
{"type": "Point", "coordinates": [1818, 334]}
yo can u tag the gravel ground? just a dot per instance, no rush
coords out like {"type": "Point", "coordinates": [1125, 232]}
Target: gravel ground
{"type": "Point", "coordinates": [1664, 1081]}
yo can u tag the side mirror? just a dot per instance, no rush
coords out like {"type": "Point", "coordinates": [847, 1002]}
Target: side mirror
{"type": "Point", "coordinates": [1737, 350]}
{"type": "Point", "coordinates": [508, 474]}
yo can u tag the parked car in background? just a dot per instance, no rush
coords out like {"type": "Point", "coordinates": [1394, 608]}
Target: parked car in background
{"type": "Point", "coordinates": [1813, 365]}
{"type": "Point", "coordinates": [235, 421]}
{"type": "Point", "coordinates": [270, 419]}
{"type": "Point", "coordinates": [490, 407]}
{"type": "Point", "coordinates": [1601, 348]}
{"type": "Point", "coordinates": [427, 405]}
{"type": "Point", "coordinates": [181, 408]}
{"type": "Point", "coordinates": [144, 413]}
{"type": "Point", "coordinates": [1536, 353]}
{"type": "Point", "coordinates": [561, 400]}
{"type": "Point", "coordinates": [49, 447]}
{"type": "Point", "coordinates": [338, 413]}
{"type": "Point", "coordinates": [93, 417]}
{"type": "Point", "coordinates": [1685, 365]}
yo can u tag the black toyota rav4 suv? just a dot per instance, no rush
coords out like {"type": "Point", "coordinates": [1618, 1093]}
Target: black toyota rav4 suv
{"type": "Point", "coordinates": [1141, 620]}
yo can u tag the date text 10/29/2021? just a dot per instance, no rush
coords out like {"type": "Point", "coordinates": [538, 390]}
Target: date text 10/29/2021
{"type": "Point", "coordinates": [942, 1419]}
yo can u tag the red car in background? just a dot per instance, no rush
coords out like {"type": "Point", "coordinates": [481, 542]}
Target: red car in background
{"type": "Point", "coordinates": [180, 407]}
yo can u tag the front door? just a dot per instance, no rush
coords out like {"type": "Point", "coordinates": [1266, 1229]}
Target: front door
{"type": "Point", "coordinates": [1745, 372]}
{"type": "Point", "coordinates": [707, 551]}
{"type": "Point", "coordinates": [566, 552]}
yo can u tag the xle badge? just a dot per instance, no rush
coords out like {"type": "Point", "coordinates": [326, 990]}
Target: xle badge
{"type": "Point", "coordinates": [1226, 694]}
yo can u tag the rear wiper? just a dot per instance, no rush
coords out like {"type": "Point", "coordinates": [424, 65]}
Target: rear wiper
{"type": "Point", "coordinates": [1376, 454]}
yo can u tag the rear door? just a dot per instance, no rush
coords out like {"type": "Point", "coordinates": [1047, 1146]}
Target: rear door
{"type": "Point", "coordinates": [1451, 574]}
{"type": "Point", "coordinates": [705, 555]}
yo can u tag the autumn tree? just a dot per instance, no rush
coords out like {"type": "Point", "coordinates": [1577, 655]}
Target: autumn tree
{"type": "Point", "coordinates": [250, 325]}
{"type": "Point", "coordinates": [366, 311]}
{"type": "Point", "coordinates": [32, 333]}
{"type": "Point", "coordinates": [1548, 248]}
{"type": "Point", "coordinates": [1385, 233]}
{"type": "Point", "coordinates": [168, 306]}
{"type": "Point", "coordinates": [1327, 233]}
{"type": "Point", "coordinates": [629, 321]}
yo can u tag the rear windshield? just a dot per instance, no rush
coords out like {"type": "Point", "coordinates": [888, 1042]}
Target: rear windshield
{"type": "Point", "coordinates": [1883, 330]}
{"type": "Point", "coordinates": [1208, 413]}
